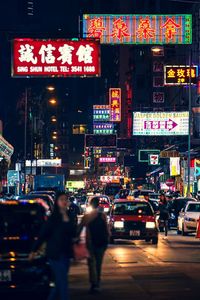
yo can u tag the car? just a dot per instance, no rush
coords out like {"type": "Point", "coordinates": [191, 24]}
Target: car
{"type": "Point", "coordinates": [128, 193]}
{"type": "Point", "coordinates": [188, 217]}
{"type": "Point", "coordinates": [20, 223]}
{"type": "Point", "coordinates": [46, 198]}
{"type": "Point", "coordinates": [50, 193]}
{"type": "Point", "coordinates": [104, 203]}
{"type": "Point", "coordinates": [133, 220]}
{"type": "Point", "coordinates": [174, 207]}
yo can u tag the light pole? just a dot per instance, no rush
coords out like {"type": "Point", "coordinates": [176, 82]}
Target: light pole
{"type": "Point", "coordinates": [189, 124]}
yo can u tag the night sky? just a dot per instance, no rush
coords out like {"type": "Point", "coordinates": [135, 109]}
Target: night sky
{"type": "Point", "coordinates": [56, 19]}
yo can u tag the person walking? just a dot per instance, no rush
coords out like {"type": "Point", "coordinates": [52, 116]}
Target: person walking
{"type": "Point", "coordinates": [74, 209]}
{"type": "Point", "coordinates": [164, 213]}
{"type": "Point", "coordinates": [97, 237]}
{"type": "Point", "coordinates": [58, 233]}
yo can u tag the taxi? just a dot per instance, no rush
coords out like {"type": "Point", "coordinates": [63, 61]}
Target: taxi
{"type": "Point", "coordinates": [133, 220]}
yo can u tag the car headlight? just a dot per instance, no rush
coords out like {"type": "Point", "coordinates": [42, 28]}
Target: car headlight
{"type": "Point", "coordinates": [119, 224]}
{"type": "Point", "coordinates": [150, 225]}
{"type": "Point", "coordinates": [106, 209]}
{"type": "Point", "coordinates": [88, 209]}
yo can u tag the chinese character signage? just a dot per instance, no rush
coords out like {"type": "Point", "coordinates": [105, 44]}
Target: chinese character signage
{"type": "Point", "coordinates": [33, 57]}
{"type": "Point", "coordinates": [103, 128]}
{"type": "Point", "coordinates": [180, 75]}
{"type": "Point", "coordinates": [158, 97]}
{"type": "Point", "coordinates": [138, 29]}
{"type": "Point", "coordinates": [101, 140]}
{"type": "Point", "coordinates": [115, 104]}
{"type": "Point", "coordinates": [107, 159]}
{"type": "Point", "coordinates": [160, 123]}
{"type": "Point", "coordinates": [101, 113]}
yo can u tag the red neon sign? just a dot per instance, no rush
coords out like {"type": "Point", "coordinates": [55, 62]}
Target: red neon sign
{"type": "Point", "coordinates": [115, 104]}
{"type": "Point", "coordinates": [60, 57]}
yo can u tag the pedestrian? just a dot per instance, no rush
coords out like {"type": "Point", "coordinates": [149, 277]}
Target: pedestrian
{"type": "Point", "coordinates": [146, 197]}
{"type": "Point", "coordinates": [164, 213]}
{"type": "Point", "coordinates": [58, 233]}
{"type": "Point", "coordinates": [74, 209]}
{"type": "Point", "coordinates": [97, 236]}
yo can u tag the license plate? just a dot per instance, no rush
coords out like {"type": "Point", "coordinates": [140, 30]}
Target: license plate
{"type": "Point", "coordinates": [134, 232]}
{"type": "Point", "coordinates": [5, 275]}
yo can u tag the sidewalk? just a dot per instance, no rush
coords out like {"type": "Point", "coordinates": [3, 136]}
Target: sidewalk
{"type": "Point", "coordinates": [116, 283]}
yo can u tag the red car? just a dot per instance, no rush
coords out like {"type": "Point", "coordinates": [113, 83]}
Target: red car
{"type": "Point", "coordinates": [133, 220]}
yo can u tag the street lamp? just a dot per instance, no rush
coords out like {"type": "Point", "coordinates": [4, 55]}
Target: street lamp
{"type": "Point", "coordinates": [53, 101]}
{"type": "Point", "coordinates": [53, 119]}
{"type": "Point", "coordinates": [50, 88]}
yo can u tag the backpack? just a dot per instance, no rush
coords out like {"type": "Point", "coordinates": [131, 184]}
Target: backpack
{"type": "Point", "coordinates": [98, 231]}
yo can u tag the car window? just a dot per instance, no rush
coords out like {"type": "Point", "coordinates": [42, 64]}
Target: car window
{"type": "Point", "coordinates": [132, 208]}
{"type": "Point", "coordinates": [27, 220]}
{"type": "Point", "coordinates": [193, 207]}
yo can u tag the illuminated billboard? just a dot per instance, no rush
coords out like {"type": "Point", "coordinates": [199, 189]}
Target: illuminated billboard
{"type": "Point", "coordinates": [160, 123]}
{"type": "Point", "coordinates": [103, 128]}
{"type": "Point", "coordinates": [107, 159]}
{"type": "Point", "coordinates": [115, 104]}
{"type": "Point", "coordinates": [101, 113]}
{"type": "Point", "coordinates": [180, 75]}
{"type": "Point", "coordinates": [55, 57]}
{"type": "Point", "coordinates": [138, 29]}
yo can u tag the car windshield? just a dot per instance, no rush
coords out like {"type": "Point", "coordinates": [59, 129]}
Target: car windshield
{"type": "Point", "coordinates": [21, 220]}
{"type": "Point", "coordinates": [193, 207]}
{"type": "Point", "coordinates": [132, 208]}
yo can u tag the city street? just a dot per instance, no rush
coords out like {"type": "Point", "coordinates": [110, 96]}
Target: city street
{"type": "Point", "coordinates": [139, 270]}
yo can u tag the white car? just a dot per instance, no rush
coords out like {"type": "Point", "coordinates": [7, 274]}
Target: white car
{"type": "Point", "coordinates": [188, 217]}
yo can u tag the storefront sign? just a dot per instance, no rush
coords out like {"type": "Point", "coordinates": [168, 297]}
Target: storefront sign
{"type": "Point", "coordinates": [180, 75]}
{"type": "Point", "coordinates": [158, 97]}
{"type": "Point", "coordinates": [44, 163]}
{"type": "Point", "coordinates": [153, 159]}
{"type": "Point", "coordinates": [175, 166]}
{"type": "Point", "coordinates": [55, 57]}
{"type": "Point", "coordinates": [101, 140]}
{"type": "Point", "coordinates": [115, 104]}
{"type": "Point", "coordinates": [107, 159]}
{"type": "Point", "coordinates": [138, 29]}
{"type": "Point", "coordinates": [109, 179]}
{"type": "Point", "coordinates": [160, 123]}
{"type": "Point", "coordinates": [101, 113]}
{"type": "Point", "coordinates": [103, 128]}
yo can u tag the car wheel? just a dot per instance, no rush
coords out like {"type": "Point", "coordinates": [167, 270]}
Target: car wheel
{"type": "Point", "coordinates": [155, 240]}
{"type": "Point", "coordinates": [112, 241]}
{"type": "Point", "coordinates": [184, 233]}
{"type": "Point", "coordinates": [147, 240]}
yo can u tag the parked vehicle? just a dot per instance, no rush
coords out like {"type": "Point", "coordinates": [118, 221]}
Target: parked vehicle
{"type": "Point", "coordinates": [175, 206]}
{"type": "Point", "coordinates": [133, 220]}
{"type": "Point", "coordinates": [20, 222]}
{"type": "Point", "coordinates": [188, 217]}
{"type": "Point", "coordinates": [50, 193]}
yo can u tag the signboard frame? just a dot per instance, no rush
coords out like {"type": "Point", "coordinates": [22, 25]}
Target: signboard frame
{"type": "Point", "coordinates": [175, 69]}
{"type": "Point", "coordinates": [95, 42]}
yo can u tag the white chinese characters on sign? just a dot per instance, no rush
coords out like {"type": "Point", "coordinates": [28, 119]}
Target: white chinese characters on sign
{"type": "Point", "coordinates": [26, 54]}
{"type": "Point", "coordinates": [46, 53]}
{"type": "Point", "coordinates": [84, 54]}
{"type": "Point", "coordinates": [66, 54]}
